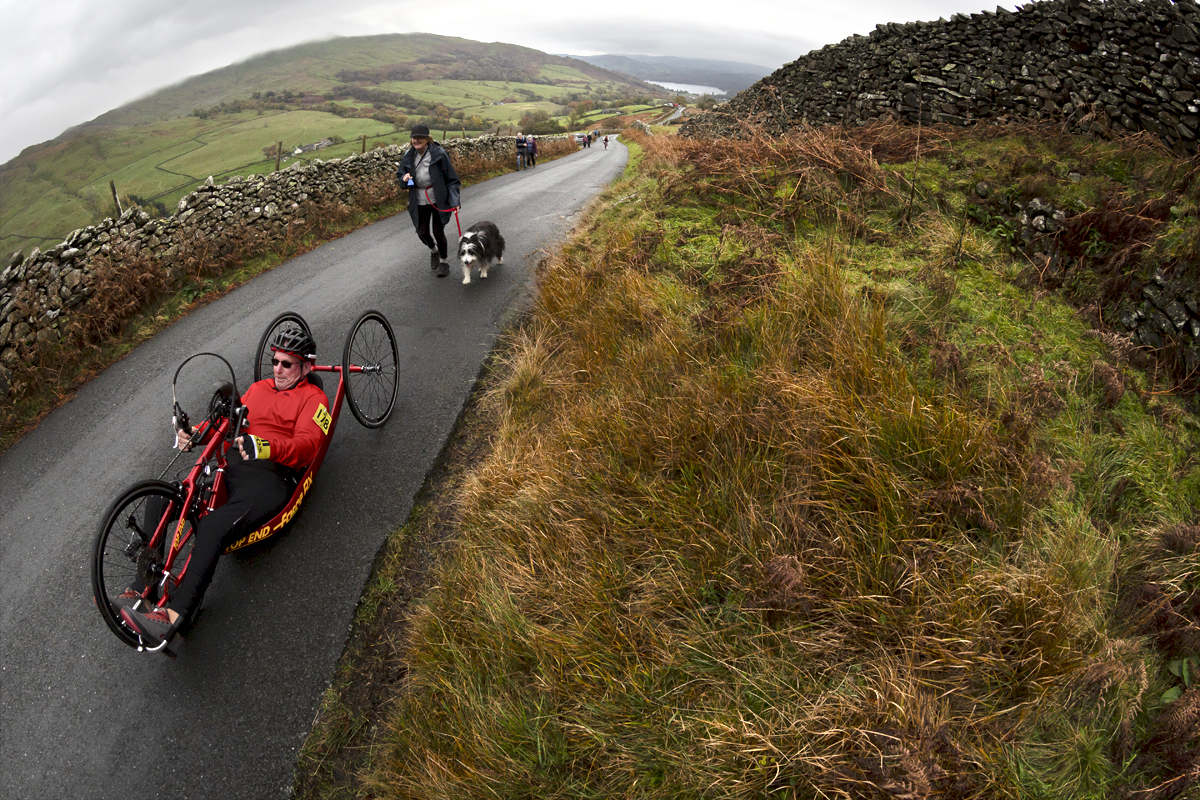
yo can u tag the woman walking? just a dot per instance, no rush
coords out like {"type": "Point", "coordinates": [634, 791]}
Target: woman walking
{"type": "Point", "coordinates": [433, 194]}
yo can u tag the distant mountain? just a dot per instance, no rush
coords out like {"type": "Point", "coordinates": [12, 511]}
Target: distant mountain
{"type": "Point", "coordinates": [730, 76]}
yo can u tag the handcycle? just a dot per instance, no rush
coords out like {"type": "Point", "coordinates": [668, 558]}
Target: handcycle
{"type": "Point", "coordinates": [146, 536]}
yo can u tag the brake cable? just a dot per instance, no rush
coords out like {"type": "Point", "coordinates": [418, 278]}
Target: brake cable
{"type": "Point", "coordinates": [179, 418]}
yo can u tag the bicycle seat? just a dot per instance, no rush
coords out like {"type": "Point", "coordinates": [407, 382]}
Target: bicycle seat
{"type": "Point", "coordinates": [315, 379]}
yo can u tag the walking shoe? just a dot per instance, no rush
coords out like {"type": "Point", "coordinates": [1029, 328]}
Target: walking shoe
{"type": "Point", "coordinates": [126, 599]}
{"type": "Point", "coordinates": [151, 626]}
{"type": "Point", "coordinates": [433, 259]}
{"type": "Point", "coordinates": [443, 269]}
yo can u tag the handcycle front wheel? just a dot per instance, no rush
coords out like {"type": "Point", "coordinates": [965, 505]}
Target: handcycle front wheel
{"type": "Point", "coordinates": [371, 390]}
{"type": "Point", "coordinates": [125, 555]}
{"type": "Point", "coordinates": [286, 321]}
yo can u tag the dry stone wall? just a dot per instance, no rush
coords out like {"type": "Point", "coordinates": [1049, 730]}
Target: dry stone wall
{"type": "Point", "coordinates": [40, 292]}
{"type": "Point", "coordinates": [1113, 67]}
{"type": "Point", "coordinates": [1121, 65]}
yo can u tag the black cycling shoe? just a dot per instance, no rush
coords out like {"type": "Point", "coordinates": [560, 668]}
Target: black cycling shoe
{"type": "Point", "coordinates": [433, 259]}
{"type": "Point", "coordinates": [152, 626]}
{"type": "Point", "coordinates": [443, 269]}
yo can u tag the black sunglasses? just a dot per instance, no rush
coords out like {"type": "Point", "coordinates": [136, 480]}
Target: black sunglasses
{"type": "Point", "coordinates": [279, 362]}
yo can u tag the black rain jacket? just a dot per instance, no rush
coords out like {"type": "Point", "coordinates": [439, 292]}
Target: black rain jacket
{"type": "Point", "coordinates": [446, 185]}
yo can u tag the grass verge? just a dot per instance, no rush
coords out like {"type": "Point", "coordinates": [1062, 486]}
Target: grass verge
{"type": "Point", "coordinates": [796, 482]}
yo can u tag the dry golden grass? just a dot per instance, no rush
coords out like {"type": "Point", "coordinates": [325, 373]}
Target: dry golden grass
{"type": "Point", "coordinates": [754, 523]}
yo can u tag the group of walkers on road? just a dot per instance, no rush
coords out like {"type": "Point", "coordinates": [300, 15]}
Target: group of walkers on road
{"type": "Point", "coordinates": [526, 151]}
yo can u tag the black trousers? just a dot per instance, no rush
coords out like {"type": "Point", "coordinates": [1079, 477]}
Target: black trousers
{"type": "Point", "coordinates": [429, 217]}
{"type": "Point", "coordinates": [256, 493]}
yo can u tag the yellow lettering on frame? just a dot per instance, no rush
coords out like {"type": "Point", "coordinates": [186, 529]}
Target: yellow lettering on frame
{"type": "Point", "coordinates": [178, 533]}
{"type": "Point", "coordinates": [291, 512]}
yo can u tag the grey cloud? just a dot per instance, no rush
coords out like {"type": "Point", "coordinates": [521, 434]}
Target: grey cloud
{"type": "Point", "coordinates": [104, 55]}
{"type": "Point", "coordinates": [76, 59]}
{"type": "Point", "coordinates": [696, 40]}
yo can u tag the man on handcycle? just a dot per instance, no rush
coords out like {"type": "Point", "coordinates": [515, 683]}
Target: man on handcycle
{"type": "Point", "coordinates": [285, 428]}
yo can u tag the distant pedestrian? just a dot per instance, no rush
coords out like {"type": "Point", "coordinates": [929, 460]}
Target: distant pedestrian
{"type": "Point", "coordinates": [531, 147]}
{"type": "Point", "coordinates": [433, 194]}
{"type": "Point", "coordinates": [522, 151]}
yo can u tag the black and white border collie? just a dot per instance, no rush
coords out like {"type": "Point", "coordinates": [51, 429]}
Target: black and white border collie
{"type": "Point", "coordinates": [480, 244]}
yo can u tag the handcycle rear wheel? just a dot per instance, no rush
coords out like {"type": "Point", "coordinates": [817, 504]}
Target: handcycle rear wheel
{"type": "Point", "coordinates": [123, 556]}
{"type": "Point", "coordinates": [371, 393]}
{"type": "Point", "coordinates": [285, 321]}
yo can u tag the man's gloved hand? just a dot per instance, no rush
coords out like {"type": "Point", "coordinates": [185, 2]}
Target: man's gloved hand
{"type": "Point", "coordinates": [254, 447]}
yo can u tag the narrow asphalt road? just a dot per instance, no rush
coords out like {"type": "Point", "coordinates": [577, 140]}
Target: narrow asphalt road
{"type": "Point", "coordinates": [84, 716]}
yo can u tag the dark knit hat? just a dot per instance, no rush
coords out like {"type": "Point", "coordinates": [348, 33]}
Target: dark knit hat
{"type": "Point", "coordinates": [421, 130]}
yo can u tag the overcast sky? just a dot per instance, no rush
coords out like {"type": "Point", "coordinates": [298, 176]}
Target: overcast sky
{"type": "Point", "coordinates": [68, 61]}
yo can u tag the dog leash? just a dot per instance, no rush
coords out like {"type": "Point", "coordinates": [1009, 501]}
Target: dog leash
{"type": "Point", "coordinates": [444, 210]}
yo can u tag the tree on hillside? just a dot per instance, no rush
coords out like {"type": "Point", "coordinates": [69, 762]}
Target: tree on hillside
{"type": "Point", "coordinates": [538, 122]}
{"type": "Point", "coordinates": [532, 118]}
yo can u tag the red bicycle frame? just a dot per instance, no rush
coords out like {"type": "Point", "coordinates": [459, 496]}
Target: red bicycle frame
{"type": "Point", "coordinates": [144, 539]}
{"type": "Point", "coordinates": [195, 484]}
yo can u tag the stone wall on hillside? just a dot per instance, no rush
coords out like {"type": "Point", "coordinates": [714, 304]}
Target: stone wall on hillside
{"type": "Point", "coordinates": [1109, 67]}
{"type": "Point", "coordinates": [1120, 65]}
{"type": "Point", "coordinates": [40, 292]}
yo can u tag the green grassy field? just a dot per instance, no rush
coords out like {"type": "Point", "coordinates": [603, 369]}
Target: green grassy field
{"type": "Point", "coordinates": [165, 161]}
{"type": "Point", "coordinates": [160, 162]}
{"type": "Point", "coordinates": [158, 151]}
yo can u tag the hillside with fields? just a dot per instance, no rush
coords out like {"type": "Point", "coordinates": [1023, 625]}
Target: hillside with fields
{"type": "Point", "coordinates": [317, 100]}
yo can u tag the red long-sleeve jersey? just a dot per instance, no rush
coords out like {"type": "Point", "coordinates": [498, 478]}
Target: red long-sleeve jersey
{"type": "Point", "coordinates": [294, 422]}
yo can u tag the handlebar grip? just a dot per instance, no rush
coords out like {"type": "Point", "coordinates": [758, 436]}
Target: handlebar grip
{"type": "Point", "coordinates": [238, 418]}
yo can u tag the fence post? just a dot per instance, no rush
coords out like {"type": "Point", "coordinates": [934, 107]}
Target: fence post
{"type": "Point", "coordinates": [278, 155]}
{"type": "Point", "coordinates": [364, 143]}
{"type": "Point", "coordinates": [116, 200]}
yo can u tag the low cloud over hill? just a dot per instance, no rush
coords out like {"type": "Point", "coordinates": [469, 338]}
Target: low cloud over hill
{"type": "Point", "coordinates": [730, 76]}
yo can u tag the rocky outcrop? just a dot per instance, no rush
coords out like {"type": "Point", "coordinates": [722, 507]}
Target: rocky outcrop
{"type": "Point", "coordinates": [40, 292]}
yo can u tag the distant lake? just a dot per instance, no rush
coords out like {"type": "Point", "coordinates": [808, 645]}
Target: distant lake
{"type": "Point", "coordinates": [689, 88]}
